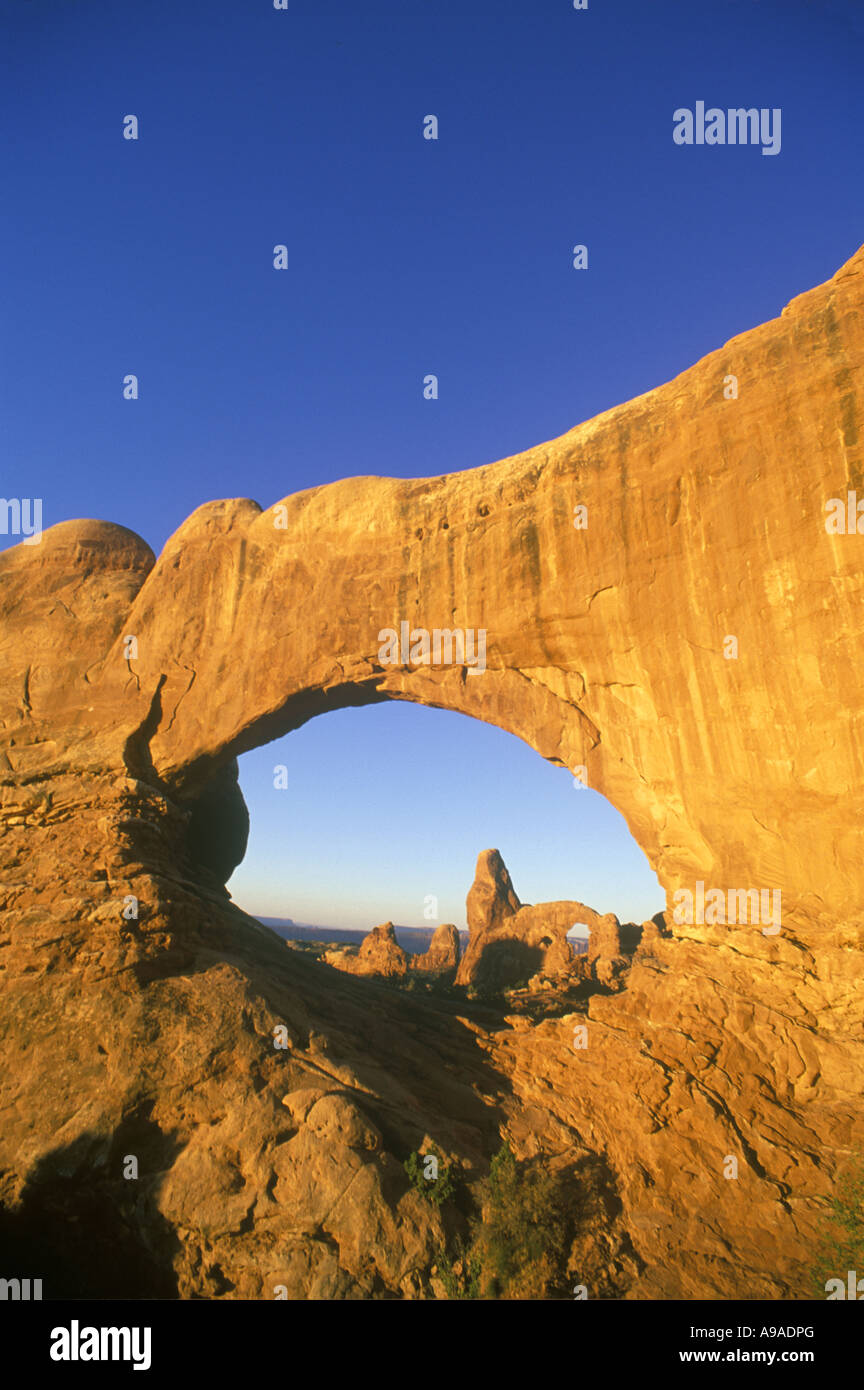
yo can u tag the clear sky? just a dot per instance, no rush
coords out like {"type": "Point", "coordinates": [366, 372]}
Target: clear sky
{"type": "Point", "coordinates": [389, 806]}
{"type": "Point", "coordinates": [405, 256]}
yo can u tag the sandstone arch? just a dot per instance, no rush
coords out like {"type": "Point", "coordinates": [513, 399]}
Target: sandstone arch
{"type": "Point", "coordinates": [605, 651]}
{"type": "Point", "coordinates": [509, 940]}
{"type": "Point", "coordinates": [605, 645]}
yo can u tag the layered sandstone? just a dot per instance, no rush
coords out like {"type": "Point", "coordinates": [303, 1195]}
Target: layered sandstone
{"type": "Point", "coordinates": [694, 652]}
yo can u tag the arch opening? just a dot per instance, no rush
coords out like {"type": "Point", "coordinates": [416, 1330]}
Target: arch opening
{"type": "Point", "coordinates": [376, 816]}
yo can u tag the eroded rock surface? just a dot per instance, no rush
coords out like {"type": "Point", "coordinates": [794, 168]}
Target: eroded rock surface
{"type": "Point", "coordinates": [139, 1005]}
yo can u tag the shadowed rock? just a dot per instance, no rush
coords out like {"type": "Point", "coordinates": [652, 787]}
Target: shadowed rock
{"type": "Point", "coordinates": [443, 953]}
{"type": "Point", "coordinates": [606, 960]}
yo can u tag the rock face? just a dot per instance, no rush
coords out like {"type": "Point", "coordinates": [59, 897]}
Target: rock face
{"type": "Point", "coordinates": [492, 899]}
{"type": "Point", "coordinates": [606, 960]}
{"type": "Point", "coordinates": [693, 652]}
{"type": "Point", "coordinates": [509, 942]}
{"type": "Point", "coordinates": [378, 954]}
{"type": "Point", "coordinates": [443, 953]}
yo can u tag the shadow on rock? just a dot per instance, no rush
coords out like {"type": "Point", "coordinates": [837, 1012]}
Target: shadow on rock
{"type": "Point", "coordinates": [85, 1230]}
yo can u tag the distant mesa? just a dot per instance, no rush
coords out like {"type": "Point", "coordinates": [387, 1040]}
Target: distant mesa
{"type": "Point", "coordinates": [415, 941]}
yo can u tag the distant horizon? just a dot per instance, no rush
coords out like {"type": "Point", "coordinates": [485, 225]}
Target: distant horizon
{"type": "Point", "coordinates": [579, 931]}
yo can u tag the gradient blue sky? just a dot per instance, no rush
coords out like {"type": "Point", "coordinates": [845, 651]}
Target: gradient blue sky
{"type": "Point", "coordinates": [405, 257]}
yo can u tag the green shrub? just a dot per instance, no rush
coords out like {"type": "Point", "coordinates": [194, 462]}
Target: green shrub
{"type": "Point", "coordinates": [437, 1189]}
{"type": "Point", "coordinates": [520, 1235]}
{"type": "Point", "coordinates": [516, 1241]}
{"type": "Point", "coordinates": [843, 1246]}
{"type": "Point", "coordinates": [460, 1272]}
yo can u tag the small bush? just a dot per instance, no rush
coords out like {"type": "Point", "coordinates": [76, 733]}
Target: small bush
{"type": "Point", "coordinates": [517, 1233]}
{"type": "Point", "coordinates": [520, 1238]}
{"type": "Point", "coordinates": [460, 1273]}
{"type": "Point", "coordinates": [435, 1189]}
{"type": "Point", "coordinates": [843, 1246]}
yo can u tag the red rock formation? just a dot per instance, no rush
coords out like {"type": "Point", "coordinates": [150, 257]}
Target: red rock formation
{"type": "Point", "coordinates": [606, 960]}
{"type": "Point", "coordinates": [378, 954]}
{"type": "Point", "coordinates": [508, 942]}
{"type": "Point", "coordinates": [443, 953]}
{"type": "Point", "coordinates": [696, 649]}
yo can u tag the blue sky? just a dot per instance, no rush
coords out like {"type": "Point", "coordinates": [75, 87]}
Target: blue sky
{"type": "Point", "coordinates": [406, 256]}
{"type": "Point", "coordinates": [388, 806]}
